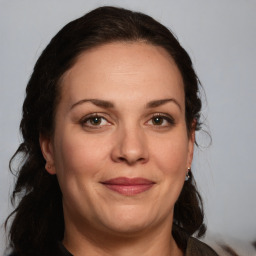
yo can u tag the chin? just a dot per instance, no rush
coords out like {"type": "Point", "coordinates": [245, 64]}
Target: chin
{"type": "Point", "coordinates": [129, 221]}
{"type": "Point", "coordinates": [128, 228]}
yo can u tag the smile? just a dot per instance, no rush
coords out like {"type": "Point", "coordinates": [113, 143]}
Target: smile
{"type": "Point", "coordinates": [128, 186]}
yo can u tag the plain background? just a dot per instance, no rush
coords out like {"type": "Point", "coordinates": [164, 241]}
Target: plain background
{"type": "Point", "coordinates": [220, 37]}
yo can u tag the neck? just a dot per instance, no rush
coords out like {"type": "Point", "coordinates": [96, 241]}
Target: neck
{"type": "Point", "coordinates": [87, 241]}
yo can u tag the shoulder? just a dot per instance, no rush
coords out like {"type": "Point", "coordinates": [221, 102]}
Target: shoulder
{"type": "Point", "coordinates": [198, 248]}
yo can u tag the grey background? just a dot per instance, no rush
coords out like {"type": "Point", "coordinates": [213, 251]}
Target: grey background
{"type": "Point", "coordinates": [220, 37]}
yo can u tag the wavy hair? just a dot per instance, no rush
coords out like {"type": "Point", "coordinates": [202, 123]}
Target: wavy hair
{"type": "Point", "coordinates": [37, 221]}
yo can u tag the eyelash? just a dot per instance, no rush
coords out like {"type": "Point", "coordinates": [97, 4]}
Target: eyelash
{"type": "Point", "coordinates": [169, 119]}
{"type": "Point", "coordinates": [164, 117]}
{"type": "Point", "coordinates": [90, 117]}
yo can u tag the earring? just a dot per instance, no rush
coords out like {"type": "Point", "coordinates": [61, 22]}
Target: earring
{"type": "Point", "coordinates": [188, 174]}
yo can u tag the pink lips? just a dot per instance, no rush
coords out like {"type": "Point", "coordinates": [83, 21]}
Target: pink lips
{"type": "Point", "coordinates": [128, 186]}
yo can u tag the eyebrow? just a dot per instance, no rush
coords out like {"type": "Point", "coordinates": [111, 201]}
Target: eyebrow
{"type": "Point", "coordinates": [97, 102]}
{"type": "Point", "coordinates": [108, 104]}
{"type": "Point", "coordinates": [157, 103]}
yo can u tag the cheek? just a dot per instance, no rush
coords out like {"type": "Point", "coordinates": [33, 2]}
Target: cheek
{"type": "Point", "coordinates": [79, 162]}
{"type": "Point", "coordinates": [170, 155]}
{"type": "Point", "coordinates": [78, 155]}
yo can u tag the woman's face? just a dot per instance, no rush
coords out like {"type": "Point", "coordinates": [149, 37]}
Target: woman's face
{"type": "Point", "coordinates": [120, 147]}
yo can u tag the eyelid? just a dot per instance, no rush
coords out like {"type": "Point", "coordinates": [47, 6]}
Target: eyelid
{"type": "Point", "coordinates": [87, 117]}
{"type": "Point", "coordinates": [165, 116]}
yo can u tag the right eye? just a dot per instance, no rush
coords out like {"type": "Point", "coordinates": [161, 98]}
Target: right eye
{"type": "Point", "coordinates": [94, 121]}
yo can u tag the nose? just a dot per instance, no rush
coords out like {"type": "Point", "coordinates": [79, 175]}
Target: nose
{"type": "Point", "coordinates": [130, 147]}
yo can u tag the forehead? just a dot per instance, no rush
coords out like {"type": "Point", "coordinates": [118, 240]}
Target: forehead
{"type": "Point", "coordinates": [122, 69]}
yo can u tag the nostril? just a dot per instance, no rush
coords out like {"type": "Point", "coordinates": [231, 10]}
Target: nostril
{"type": "Point", "coordinates": [130, 160]}
{"type": "Point", "coordinates": [130, 150]}
{"type": "Point", "coordinates": [122, 159]}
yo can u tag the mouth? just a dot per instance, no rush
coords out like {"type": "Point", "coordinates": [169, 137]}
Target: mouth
{"type": "Point", "coordinates": [128, 186]}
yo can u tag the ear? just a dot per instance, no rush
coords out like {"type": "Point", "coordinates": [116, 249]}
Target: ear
{"type": "Point", "coordinates": [47, 151]}
{"type": "Point", "coordinates": [191, 143]}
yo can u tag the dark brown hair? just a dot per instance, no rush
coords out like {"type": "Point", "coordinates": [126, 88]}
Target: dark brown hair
{"type": "Point", "coordinates": [38, 218]}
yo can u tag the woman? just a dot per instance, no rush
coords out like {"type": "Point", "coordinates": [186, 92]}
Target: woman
{"type": "Point", "coordinates": [109, 123]}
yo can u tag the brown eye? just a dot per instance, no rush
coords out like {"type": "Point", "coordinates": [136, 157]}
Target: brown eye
{"type": "Point", "coordinates": [96, 120]}
{"type": "Point", "coordinates": [161, 120]}
{"type": "Point", "coordinates": [157, 120]}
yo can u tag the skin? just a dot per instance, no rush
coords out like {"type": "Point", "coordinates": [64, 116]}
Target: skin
{"type": "Point", "coordinates": [125, 140]}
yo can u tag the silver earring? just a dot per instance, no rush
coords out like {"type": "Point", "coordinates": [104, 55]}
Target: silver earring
{"type": "Point", "coordinates": [188, 174]}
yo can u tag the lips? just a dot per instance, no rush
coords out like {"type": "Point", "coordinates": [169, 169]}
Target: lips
{"type": "Point", "coordinates": [128, 186]}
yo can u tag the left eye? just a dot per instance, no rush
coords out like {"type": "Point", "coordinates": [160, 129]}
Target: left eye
{"type": "Point", "coordinates": [95, 121]}
{"type": "Point", "coordinates": [160, 120]}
